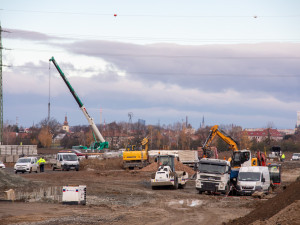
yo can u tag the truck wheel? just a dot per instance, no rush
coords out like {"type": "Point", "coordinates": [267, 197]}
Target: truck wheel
{"type": "Point", "coordinates": [36, 170]}
{"type": "Point", "coordinates": [53, 168]}
{"type": "Point", "coordinates": [30, 170]}
{"type": "Point", "coordinates": [200, 192]}
{"type": "Point", "coordinates": [175, 183]}
{"type": "Point", "coordinates": [154, 188]}
{"type": "Point", "coordinates": [16, 172]}
{"type": "Point", "coordinates": [77, 169]}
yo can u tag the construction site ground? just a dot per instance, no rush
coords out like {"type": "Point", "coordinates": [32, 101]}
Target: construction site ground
{"type": "Point", "coordinates": [117, 196]}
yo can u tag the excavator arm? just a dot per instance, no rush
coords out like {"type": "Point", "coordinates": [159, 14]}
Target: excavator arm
{"type": "Point", "coordinates": [215, 131]}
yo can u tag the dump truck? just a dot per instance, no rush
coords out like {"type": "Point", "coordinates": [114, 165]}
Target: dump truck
{"type": "Point", "coordinates": [166, 174]}
{"type": "Point", "coordinates": [213, 176]}
{"type": "Point", "coordinates": [188, 157]}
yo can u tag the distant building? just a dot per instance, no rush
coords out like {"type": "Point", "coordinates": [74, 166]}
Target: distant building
{"type": "Point", "coordinates": [298, 119]}
{"type": "Point", "coordinates": [287, 131]}
{"type": "Point", "coordinates": [260, 135]}
{"type": "Point", "coordinates": [66, 127]}
{"type": "Point", "coordinates": [142, 122]}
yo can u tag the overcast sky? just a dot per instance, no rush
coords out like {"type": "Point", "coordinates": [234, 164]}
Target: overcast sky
{"type": "Point", "coordinates": [233, 62]}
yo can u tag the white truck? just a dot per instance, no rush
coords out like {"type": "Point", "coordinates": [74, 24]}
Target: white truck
{"type": "Point", "coordinates": [213, 176]}
{"type": "Point", "coordinates": [188, 157]}
{"type": "Point", "coordinates": [166, 174]}
{"type": "Point", "coordinates": [65, 161]}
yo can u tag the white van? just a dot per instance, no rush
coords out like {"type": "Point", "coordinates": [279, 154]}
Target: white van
{"type": "Point", "coordinates": [253, 178]}
{"type": "Point", "coordinates": [65, 161]}
{"type": "Point", "coordinates": [26, 164]}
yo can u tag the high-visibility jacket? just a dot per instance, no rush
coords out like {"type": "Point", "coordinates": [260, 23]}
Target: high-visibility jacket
{"type": "Point", "coordinates": [283, 156]}
{"type": "Point", "coordinates": [41, 161]}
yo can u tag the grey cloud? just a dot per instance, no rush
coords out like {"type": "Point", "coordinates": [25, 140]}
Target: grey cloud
{"type": "Point", "coordinates": [268, 67]}
{"type": "Point", "coordinates": [28, 35]}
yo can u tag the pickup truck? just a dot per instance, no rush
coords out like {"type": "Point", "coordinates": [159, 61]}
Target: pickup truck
{"type": "Point", "coordinates": [65, 161]}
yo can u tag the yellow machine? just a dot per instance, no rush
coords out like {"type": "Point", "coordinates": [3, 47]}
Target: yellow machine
{"type": "Point", "coordinates": [136, 156]}
{"type": "Point", "coordinates": [239, 157]}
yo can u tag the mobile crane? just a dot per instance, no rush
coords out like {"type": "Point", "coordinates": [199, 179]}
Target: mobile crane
{"type": "Point", "coordinates": [97, 144]}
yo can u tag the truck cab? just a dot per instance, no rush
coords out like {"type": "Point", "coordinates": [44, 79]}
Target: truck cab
{"type": "Point", "coordinates": [213, 176]}
{"type": "Point", "coordinates": [66, 161]}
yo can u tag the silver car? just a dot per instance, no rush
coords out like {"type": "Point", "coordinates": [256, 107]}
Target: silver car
{"type": "Point", "coordinates": [296, 156]}
{"type": "Point", "coordinates": [26, 164]}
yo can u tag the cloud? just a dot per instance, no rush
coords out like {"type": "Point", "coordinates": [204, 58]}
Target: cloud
{"type": "Point", "coordinates": [242, 83]}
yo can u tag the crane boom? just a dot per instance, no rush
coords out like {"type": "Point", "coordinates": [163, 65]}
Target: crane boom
{"type": "Point", "coordinates": [81, 106]}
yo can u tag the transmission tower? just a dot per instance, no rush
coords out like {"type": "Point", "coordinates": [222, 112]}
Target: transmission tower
{"type": "Point", "coordinates": [1, 91]}
{"type": "Point", "coordinates": [130, 115]}
{"type": "Point", "coordinates": [1, 96]}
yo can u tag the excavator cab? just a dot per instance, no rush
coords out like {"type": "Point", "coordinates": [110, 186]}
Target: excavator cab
{"type": "Point", "coordinates": [241, 158]}
{"type": "Point", "coordinates": [275, 173]}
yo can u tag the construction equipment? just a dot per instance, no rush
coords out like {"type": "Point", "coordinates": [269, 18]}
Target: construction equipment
{"type": "Point", "coordinates": [166, 174]}
{"type": "Point", "coordinates": [136, 156]}
{"type": "Point", "coordinates": [97, 144]}
{"type": "Point", "coordinates": [239, 157]}
{"type": "Point", "coordinates": [275, 154]}
{"type": "Point", "coordinates": [275, 174]}
{"type": "Point", "coordinates": [213, 175]}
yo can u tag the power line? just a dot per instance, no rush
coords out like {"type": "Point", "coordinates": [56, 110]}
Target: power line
{"type": "Point", "coordinates": [114, 14]}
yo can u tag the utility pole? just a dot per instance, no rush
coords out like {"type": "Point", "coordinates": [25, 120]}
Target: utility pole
{"type": "Point", "coordinates": [1, 90]}
{"type": "Point", "coordinates": [1, 96]}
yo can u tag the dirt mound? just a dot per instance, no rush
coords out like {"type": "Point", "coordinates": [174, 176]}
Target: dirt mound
{"type": "Point", "coordinates": [178, 167]}
{"type": "Point", "coordinates": [272, 206]}
{"type": "Point", "coordinates": [11, 181]}
{"type": "Point", "coordinates": [105, 164]}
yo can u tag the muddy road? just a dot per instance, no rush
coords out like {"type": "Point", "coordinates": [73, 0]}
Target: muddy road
{"type": "Point", "coordinates": [115, 196]}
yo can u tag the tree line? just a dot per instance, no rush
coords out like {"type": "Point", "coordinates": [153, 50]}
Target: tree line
{"type": "Point", "coordinates": [177, 136]}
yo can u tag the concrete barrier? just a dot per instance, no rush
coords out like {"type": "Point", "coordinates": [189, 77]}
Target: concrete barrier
{"type": "Point", "coordinates": [9, 159]}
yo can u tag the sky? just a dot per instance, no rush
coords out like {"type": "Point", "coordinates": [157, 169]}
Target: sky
{"type": "Point", "coordinates": [231, 62]}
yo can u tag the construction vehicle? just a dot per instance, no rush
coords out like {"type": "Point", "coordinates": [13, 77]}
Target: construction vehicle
{"type": "Point", "coordinates": [136, 156]}
{"type": "Point", "coordinates": [239, 157]}
{"type": "Point", "coordinates": [275, 153]}
{"type": "Point", "coordinates": [275, 174]}
{"type": "Point", "coordinates": [99, 144]}
{"type": "Point", "coordinates": [213, 176]}
{"type": "Point", "coordinates": [65, 161]}
{"type": "Point", "coordinates": [166, 174]}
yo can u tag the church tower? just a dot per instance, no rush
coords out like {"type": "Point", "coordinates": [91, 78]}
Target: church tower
{"type": "Point", "coordinates": [66, 127]}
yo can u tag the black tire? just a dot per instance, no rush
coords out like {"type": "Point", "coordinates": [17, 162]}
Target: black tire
{"type": "Point", "coordinates": [154, 188]}
{"type": "Point", "coordinates": [36, 170]}
{"type": "Point", "coordinates": [30, 170]}
{"type": "Point", "coordinates": [23, 172]}
{"type": "Point", "coordinates": [200, 192]}
{"type": "Point", "coordinates": [175, 187]}
{"type": "Point", "coordinates": [16, 172]}
{"type": "Point", "coordinates": [77, 169]}
{"type": "Point", "coordinates": [53, 168]}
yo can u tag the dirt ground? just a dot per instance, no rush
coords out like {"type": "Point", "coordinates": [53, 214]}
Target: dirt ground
{"type": "Point", "coordinates": [116, 196]}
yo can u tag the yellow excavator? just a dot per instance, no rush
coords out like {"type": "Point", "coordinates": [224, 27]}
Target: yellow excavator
{"type": "Point", "coordinates": [136, 156]}
{"type": "Point", "coordinates": [239, 157]}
